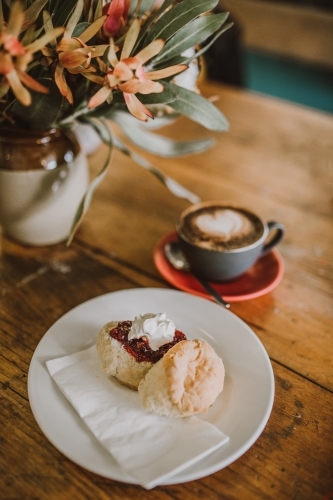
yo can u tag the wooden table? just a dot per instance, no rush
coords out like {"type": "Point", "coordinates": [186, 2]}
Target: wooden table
{"type": "Point", "coordinates": [278, 159]}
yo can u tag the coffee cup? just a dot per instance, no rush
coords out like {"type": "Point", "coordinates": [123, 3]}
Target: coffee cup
{"type": "Point", "coordinates": [221, 241]}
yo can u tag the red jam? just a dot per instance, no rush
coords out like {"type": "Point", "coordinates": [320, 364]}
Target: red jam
{"type": "Point", "coordinates": [139, 348]}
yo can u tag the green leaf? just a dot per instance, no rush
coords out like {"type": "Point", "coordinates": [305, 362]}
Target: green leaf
{"type": "Point", "coordinates": [206, 47]}
{"type": "Point", "coordinates": [44, 109]}
{"type": "Point", "coordinates": [146, 6]}
{"type": "Point", "coordinates": [32, 13]}
{"type": "Point", "coordinates": [99, 126]}
{"type": "Point", "coordinates": [156, 144]}
{"type": "Point", "coordinates": [149, 22]}
{"type": "Point", "coordinates": [168, 95]}
{"type": "Point", "coordinates": [74, 19]}
{"type": "Point", "coordinates": [62, 11]}
{"type": "Point", "coordinates": [173, 186]}
{"type": "Point", "coordinates": [191, 35]}
{"type": "Point", "coordinates": [198, 109]}
{"type": "Point", "coordinates": [80, 28]}
{"type": "Point", "coordinates": [177, 17]}
{"type": "Point", "coordinates": [179, 59]}
{"type": "Point", "coordinates": [103, 130]}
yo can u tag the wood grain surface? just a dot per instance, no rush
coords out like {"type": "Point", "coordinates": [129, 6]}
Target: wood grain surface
{"type": "Point", "coordinates": [276, 159]}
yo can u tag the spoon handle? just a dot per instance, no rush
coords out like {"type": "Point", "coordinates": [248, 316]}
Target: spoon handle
{"type": "Point", "coordinates": [209, 289]}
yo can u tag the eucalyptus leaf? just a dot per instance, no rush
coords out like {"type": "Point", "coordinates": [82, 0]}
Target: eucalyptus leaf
{"type": "Point", "coordinates": [198, 109]}
{"type": "Point", "coordinates": [191, 35]}
{"type": "Point", "coordinates": [118, 102]}
{"type": "Point", "coordinates": [118, 98]}
{"type": "Point", "coordinates": [177, 17]}
{"type": "Point", "coordinates": [74, 19]}
{"type": "Point", "coordinates": [103, 130]}
{"type": "Point", "coordinates": [32, 13]}
{"type": "Point", "coordinates": [150, 20]}
{"type": "Point", "coordinates": [156, 144]}
{"type": "Point", "coordinates": [168, 95]}
{"type": "Point", "coordinates": [179, 59]}
{"type": "Point", "coordinates": [173, 186]}
{"type": "Point", "coordinates": [44, 109]}
{"type": "Point", "coordinates": [80, 28]}
{"type": "Point", "coordinates": [208, 45]}
{"type": "Point", "coordinates": [106, 109]}
{"type": "Point", "coordinates": [146, 6]}
{"type": "Point", "coordinates": [62, 12]}
{"type": "Point", "coordinates": [187, 60]}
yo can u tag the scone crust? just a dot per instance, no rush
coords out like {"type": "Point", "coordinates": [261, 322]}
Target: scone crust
{"type": "Point", "coordinates": [117, 362]}
{"type": "Point", "coordinates": [194, 375]}
{"type": "Point", "coordinates": [186, 381]}
{"type": "Point", "coordinates": [154, 394]}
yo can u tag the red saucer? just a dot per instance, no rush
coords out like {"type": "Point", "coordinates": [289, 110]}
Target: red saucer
{"type": "Point", "coordinates": [263, 276]}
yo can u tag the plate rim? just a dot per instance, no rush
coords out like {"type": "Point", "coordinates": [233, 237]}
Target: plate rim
{"type": "Point", "coordinates": [184, 476]}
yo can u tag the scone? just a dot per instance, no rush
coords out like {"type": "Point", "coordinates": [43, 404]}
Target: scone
{"type": "Point", "coordinates": [130, 360]}
{"type": "Point", "coordinates": [186, 381]}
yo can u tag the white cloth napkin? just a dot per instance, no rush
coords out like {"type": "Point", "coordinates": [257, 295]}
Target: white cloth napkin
{"type": "Point", "coordinates": [149, 447]}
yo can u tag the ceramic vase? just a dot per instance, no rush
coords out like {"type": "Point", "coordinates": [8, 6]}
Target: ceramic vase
{"type": "Point", "coordinates": [43, 177]}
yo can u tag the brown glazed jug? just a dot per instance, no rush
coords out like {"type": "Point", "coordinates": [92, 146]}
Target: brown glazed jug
{"type": "Point", "coordinates": [43, 177]}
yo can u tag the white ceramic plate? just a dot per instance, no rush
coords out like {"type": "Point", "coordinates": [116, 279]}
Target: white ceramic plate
{"type": "Point", "coordinates": [241, 411]}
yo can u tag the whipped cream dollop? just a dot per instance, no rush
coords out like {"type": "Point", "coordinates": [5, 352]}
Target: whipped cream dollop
{"type": "Point", "coordinates": [157, 328]}
{"type": "Point", "coordinates": [223, 223]}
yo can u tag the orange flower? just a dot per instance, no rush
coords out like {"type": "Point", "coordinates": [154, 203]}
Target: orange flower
{"type": "Point", "coordinates": [15, 57]}
{"type": "Point", "coordinates": [72, 53]}
{"type": "Point", "coordinates": [130, 76]}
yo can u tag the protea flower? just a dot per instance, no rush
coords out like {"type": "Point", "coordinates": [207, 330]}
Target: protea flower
{"type": "Point", "coordinates": [117, 11]}
{"type": "Point", "coordinates": [15, 56]}
{"type": "Point", "coordinates": [72, 53]}
{"type": "Point", "coordinates": [130, 76]}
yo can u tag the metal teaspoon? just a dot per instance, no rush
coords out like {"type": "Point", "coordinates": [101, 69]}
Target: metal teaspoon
{"type": "Point", "coordinates": [177, 259]}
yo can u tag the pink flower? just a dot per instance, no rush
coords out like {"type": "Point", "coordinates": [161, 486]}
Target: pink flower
{"type": "Point", "coordinates": [129, 75]}
{"type": "Point", "coordinates": [117, 11]}
{"type": "Point", "coordinates": [15, 56]}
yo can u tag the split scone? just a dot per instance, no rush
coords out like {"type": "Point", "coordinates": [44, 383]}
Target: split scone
{"type": "Point", "coordinates": [128, 349]}
{"type": "Point", "coordinates": [186, 381]}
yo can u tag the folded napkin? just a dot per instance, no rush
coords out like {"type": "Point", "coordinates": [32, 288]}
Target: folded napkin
{"type": "Point", "coordinates": [151, 448]}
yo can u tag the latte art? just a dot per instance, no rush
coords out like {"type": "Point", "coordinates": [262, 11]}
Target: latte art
{"type": "Point", "coordinates": [220, 227]}
{"type": "Point", "coordinates": [225, 224]}
{"type": "Point", "coordinates": [222, 241]}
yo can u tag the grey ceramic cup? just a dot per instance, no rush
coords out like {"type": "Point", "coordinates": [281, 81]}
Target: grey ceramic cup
{"type": "Point", "coordinates": [227, 265]}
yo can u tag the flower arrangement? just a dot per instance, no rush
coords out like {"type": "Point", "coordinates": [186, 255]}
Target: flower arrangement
{"type": "Point", "coordinates": [95, 61]}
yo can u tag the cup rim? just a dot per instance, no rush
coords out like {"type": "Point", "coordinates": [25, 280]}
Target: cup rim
{"type": "Point", "coordinates": [222, 204]}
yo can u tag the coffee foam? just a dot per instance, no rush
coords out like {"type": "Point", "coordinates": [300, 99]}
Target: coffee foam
{"type": "Point", "coordinates": [224, 223]}
{"type": "Point", "coordinates": [221, 227]}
